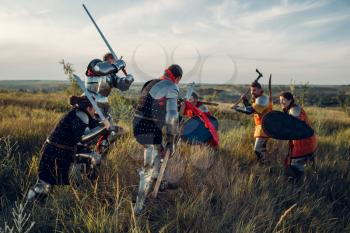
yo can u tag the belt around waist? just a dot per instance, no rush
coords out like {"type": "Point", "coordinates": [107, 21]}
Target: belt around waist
{"type": "Point", "coordinates": [64, 147]}
{"type": "Point", "coordinates": [147, 118]}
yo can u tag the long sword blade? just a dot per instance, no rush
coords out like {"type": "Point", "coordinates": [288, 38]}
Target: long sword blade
{"type": "Point", "coordinates": [101, 34]}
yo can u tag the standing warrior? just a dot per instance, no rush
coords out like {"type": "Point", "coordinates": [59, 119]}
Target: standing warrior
{"type": "Point", "coordinates": [59, 149]}
{"type": "Point", "coordinates": [261, 104]}
{"type": "Point", "coordinates": [157, 107]}
{"type": "Point", "coordinates": [101, 77]}
{"type": "Point", "coordinates": [300, 151]}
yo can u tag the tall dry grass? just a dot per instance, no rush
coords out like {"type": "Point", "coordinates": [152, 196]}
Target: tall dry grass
{"type": "Point", "coordinates": [219, 191]}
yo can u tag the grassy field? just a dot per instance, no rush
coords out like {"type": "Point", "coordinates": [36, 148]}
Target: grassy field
{"type": "Point", "coordinates": [220, 191]}
{"type": "Point", "coordinates": [316, 95]}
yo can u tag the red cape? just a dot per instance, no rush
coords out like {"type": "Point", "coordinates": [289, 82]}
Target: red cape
{"type": "Point", "coordinates": [191, 111]}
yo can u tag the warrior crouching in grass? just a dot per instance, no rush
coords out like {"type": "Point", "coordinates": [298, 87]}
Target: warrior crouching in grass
{"type": "Point", "coordinates": [157, 108]}
{"type": "Point", "coordinates": [194, 99]}
{"type": "Point", "coordinates": [260, 106]}
{"type": "Point", "coordinates": [300, 151]}
{"type": "Point", "coordinates": [59, 149]}
{"type": "Point", "coordinates": [207, 125]}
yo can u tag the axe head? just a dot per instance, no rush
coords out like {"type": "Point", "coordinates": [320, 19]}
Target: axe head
{"type": "Point", "coordinates": [260, 74]}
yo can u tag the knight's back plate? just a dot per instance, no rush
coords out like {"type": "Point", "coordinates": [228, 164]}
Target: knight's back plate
{"type": "Point", "coordinates": [195, 132]}
{"type": "Point", "coordinates": [282, 126]}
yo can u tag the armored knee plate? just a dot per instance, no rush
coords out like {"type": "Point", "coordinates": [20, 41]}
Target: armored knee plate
{"type": "Point", "coordinates": [40, 189]}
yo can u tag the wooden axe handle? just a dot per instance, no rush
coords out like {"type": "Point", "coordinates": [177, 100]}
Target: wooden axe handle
{"type": "Point", "coordinates": [240, 98]}
{"type": "Point", "coordinates": [209, 103]}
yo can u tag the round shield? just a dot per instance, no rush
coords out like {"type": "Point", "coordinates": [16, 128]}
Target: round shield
{"type": "Point", "coordinates": [282, 126]}
{"type": "Point", "coordinates": [195, 132]}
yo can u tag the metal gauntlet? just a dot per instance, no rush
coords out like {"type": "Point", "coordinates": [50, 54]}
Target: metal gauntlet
{"type": "Point", "coordinates": [120, 64]}
{"type": "Point", "coordinates": [123, 84]}
{"type": "Point", "coordinates": [247, 110]}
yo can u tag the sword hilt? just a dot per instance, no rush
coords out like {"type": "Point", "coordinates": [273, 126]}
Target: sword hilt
{"type": "Point", "coordinates": [124, 71]}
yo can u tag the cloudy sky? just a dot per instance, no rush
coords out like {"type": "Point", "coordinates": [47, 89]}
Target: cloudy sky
{"type": "Point", "coordinates": [214, 41]}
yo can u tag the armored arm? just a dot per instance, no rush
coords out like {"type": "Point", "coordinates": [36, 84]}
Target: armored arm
{"type": "Point", "coordinates": [101, 68]}
{"type": "Point", "coordinates": [172, 115]}
{"type": "Point", "coordinates": [91, 134]}
{"type": "Point", "coordinates": [246, 108]}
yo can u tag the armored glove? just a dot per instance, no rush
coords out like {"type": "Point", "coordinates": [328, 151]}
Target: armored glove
{"type": "Point", "coordinates": [129, 79]}
{"type": "Point", "coordinates": [120, 64]}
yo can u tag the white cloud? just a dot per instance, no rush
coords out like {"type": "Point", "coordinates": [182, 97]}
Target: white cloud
{"type": "Point", "coordinates": [321, 21]}
{"type": "Point", "coordinates": [46, 32]}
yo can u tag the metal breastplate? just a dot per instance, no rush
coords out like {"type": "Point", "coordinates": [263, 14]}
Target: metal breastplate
{"type": "Point", "coordinates": [99, 85]}
{"type": "Point", "coordinates": [149, 106]}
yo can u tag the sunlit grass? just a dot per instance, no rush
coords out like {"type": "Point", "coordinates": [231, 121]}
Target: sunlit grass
{"type": "Point", "coordinates": [219, 191]}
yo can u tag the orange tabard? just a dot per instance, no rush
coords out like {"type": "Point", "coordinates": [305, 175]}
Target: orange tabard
{"type": "Point", "coordinates": [260, 109]}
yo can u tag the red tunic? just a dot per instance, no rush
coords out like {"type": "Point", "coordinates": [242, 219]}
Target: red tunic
{"type": "Point", "coordinates": [303, 147]}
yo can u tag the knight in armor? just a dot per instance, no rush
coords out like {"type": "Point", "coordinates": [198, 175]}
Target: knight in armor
{"type": "Point", "coordinates": [300, 151]}
{"type": "Point", "coordinates": [261, 105]}
{"type": "Point", "coordinates": [157, 108]}
{"type": "Point", "coordinates": [101, 78]}
{"type": "Point", "coordinates": [61, 146]}
{"type": "Point", "coordinates": [194, 99]}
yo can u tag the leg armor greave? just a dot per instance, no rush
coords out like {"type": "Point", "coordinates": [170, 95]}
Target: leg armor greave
{"type": "Point", "coordinates": [298, 165]}
{"type": "Point", "coordinates": [148, 174]}
{"type": "Point", "coordinates": [151, 160]}
{"type": "Point", "coordinates": [260, 149]}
